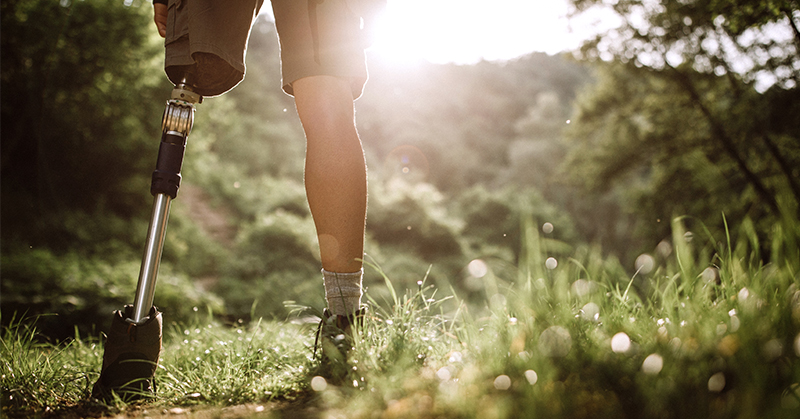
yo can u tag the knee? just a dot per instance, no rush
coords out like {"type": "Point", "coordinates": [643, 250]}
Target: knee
{"type": "Point", "coordinates": [325, 105]}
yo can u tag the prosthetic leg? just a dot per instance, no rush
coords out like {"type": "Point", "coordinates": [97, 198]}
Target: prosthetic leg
{"type": "Point", "coordinates": [134, 341]}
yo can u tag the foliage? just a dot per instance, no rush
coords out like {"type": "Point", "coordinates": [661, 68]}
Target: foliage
{"type": "Point", "coordinates": [682, 119]}
{"type": "Point", "coordinates": [40, 377]}
{"type": "Point", "coordinates": [704, 329]}
{"type": "Point", "coordinates": [452, 126]}
{"type": "Point", "coordinates": [463, 155]}
{"type": "Point", "coordinates": [741, 38]}
{"type": "Point", "coordinates": [74, 132]}
{"type": "Point", "coordinates": [276, 260]}
{"type": "Point", "coordinates": [76, 294]}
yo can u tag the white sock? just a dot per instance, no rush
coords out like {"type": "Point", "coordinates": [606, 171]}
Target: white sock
{"type": "Point", "coordinates": [343, 291]}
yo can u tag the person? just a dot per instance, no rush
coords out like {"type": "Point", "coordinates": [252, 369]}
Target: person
{"type": "Point", "coordinates": [323, 66]}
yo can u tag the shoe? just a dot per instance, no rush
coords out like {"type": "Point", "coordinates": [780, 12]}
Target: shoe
{"type": "Point", "coordinates": [130, 358]}
{"type": "Point", "coordinates": [335, 338]}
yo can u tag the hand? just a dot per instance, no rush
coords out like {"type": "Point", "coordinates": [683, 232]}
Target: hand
{"type": "Point", "coordinates": [160, 18]}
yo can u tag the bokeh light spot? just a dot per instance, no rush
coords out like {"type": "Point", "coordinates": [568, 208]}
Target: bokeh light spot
{"type": "Point", "coordinates": [716, 383]}
{"type": "Point", "coordinates": [772, 350]}
{"type": "Point", "coordinates": [790, 399]}
{"type": "Point", "coordinates": [551, 263]}
{"type": "Point", "coordinates": [555, 341]}
{"type": "Point", "coordinates": [710, 275]}
{"type": "Point", "coordinates": [664, 248]}
{"type": "Point", "coordinates": [645, 263]}
{"type": "Point", "coordinates": [743, 294]}
{"type": "Point", "coordinates": [735, 323]}
{"type": "Point", "coordinates": [477, 268]}
{"type": "Point", "coordinates": [547, 228]}
{"type": "Point", "coordinates": [582, 287]}
{"type": "Point", "coordinates": [319, 383]}
{"type": "Point", "coordinates": [653, 364]}
{"type": "Point", "coordinates": [444, 374]}
{"type": "Point", "coordinates": [590, 312]}
{"type": "Point", "coordinates": [502, 382]}
{"type": "Point", "coordinates": [620, 343]}
{"type": "Point", "coordinates": [531, 376]}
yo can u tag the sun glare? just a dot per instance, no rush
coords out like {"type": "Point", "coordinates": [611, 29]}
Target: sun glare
{"type": "Point", "coordinates": [467, 31]}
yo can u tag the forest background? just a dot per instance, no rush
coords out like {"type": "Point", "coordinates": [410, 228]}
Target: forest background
{"type": "Point", "coordinates": [688, 109]}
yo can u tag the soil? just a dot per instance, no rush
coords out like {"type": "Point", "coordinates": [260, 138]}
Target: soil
{"type": "Point", "coordinates": [213, 220]}
{"type": "Point", "coordinates": [306, 406]}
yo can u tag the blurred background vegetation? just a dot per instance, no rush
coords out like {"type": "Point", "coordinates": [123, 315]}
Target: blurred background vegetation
{"type": "Point", "coordinates": [688, 109]}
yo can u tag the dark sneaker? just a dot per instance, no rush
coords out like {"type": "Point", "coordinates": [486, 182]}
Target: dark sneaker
{"type": "Point", "coordinates": [130, 358]}
{"type": "Point", "coordinates": [335, 338]}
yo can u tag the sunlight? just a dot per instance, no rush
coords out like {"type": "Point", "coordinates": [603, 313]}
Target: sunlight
{"type": "Point", "coordinates": [468, 31]}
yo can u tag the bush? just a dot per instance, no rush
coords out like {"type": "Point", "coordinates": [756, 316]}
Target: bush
{"type": "Point", "coordinates": [73, 292]}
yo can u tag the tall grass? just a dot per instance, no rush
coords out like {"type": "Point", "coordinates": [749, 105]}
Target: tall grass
{"type": "Point", "coordinates": [704, 327]}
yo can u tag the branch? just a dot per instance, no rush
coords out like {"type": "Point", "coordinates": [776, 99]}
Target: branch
{"type": "Point", "coordinates": [790, 15]}
{"type": "Point", "coordinates": [726, 141]}
{"type": "Point", "coordinates": [784, 165]}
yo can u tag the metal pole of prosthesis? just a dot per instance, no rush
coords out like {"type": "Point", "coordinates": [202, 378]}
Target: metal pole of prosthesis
{"type": "Point", "coordinates": [175, 127]}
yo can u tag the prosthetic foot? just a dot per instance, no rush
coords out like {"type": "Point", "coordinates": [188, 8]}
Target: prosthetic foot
{"type": "Point", "coordinates": [134, 341]}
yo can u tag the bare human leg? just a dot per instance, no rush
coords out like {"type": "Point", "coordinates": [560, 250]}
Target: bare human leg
{"type": "Point", "coordinates": [336, 184]}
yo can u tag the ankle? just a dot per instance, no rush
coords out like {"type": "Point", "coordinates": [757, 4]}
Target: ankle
{"type": "Point", "coordinates": [343, 291]}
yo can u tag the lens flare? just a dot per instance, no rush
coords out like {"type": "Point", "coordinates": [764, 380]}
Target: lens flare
{"type": "Point", "coordinates": [407, 160]}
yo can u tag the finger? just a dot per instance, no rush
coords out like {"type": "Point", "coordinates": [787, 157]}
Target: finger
{"type": "Point", "coordinates": [160, 18]}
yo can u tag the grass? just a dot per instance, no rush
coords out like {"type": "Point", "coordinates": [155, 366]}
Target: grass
{"type": "Point", "coordinates": [706, 328]}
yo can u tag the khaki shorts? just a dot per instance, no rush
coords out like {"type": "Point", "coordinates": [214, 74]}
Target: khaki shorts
{"type": "Point", "coordinates": [317, 37]}
{"type": "Point", "coordinates": [209, 38]}
{"type": "Point", "coordinates": [320, 37]}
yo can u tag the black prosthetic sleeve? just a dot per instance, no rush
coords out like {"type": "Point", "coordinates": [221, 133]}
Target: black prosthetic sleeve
{"type": "Point", "coordinates": [167, 176]}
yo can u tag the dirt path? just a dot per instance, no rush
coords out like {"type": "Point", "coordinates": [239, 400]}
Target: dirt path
{"type": "Point", "coordinates": [213, 220]}
{"type": "Point", "coordinates": [268, 410]}
{"type": "Point", "coordinates": [306, 406]}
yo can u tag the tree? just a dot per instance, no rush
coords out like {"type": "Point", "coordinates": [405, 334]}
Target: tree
{"type": "Point", "coordinates": [755, 40]}
{"type": "Point", "coordinates": [82, 95]}
{"type": "Point", "coordinates": [696, 114]}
